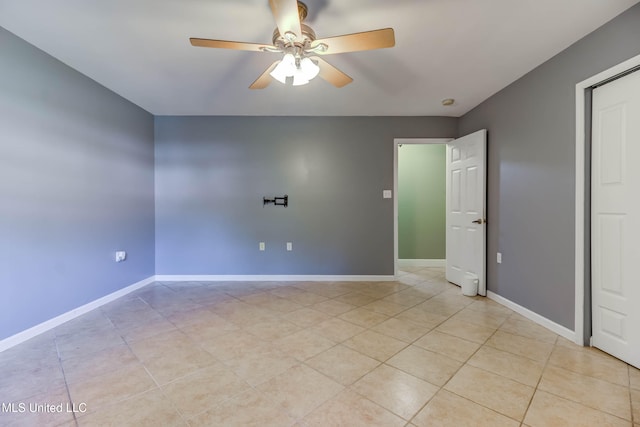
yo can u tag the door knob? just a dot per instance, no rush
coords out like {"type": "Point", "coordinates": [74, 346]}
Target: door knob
{"type": "Point", "coordinates": [479, 221]}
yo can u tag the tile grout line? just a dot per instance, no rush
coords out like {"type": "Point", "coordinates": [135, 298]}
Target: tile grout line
{"type": "Point", "coordinates": [548, 363]}
{"type": "Point", "coordinates": [535, 390]}
{"type": "Point", "coordinates": [155, 381]}
{"type": "Point", "coordinates": [64, 376]}
{"type": "Point", "coordinates": [442, 387]}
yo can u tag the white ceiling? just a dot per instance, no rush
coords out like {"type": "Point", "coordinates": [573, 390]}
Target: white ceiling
{"type": "Point", "coordinates": [462, 49]}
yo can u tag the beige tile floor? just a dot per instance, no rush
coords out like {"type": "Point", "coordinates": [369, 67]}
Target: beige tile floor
{"type": "Point", "coordinates": [409, 353]}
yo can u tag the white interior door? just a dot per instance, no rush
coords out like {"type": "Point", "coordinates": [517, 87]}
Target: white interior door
{"type": "Point", "coordinates": [466, 207]}
{"type": "Point", "coordinates": [615, 218]}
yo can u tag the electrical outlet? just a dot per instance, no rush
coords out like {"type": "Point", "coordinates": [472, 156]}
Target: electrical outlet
{"type": "Point", "coordinates": [289, 246]}
{"type": "Point", "coordinates": [261, 246]}
{"type": "Point", "coordinates": [499, 258]}
{"type": "Point", "coordinates": [121, 256]}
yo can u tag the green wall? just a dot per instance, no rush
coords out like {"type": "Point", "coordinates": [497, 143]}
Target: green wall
{"type": "Point", "coordinates": [421, 201]}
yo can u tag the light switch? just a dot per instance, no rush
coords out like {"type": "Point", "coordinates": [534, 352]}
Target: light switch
{"type": "Point", "coordinates": [386, 194]}
{"type": "Point", "coordinates": [261, 246]}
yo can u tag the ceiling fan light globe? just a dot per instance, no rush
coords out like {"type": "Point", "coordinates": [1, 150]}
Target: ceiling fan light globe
{"type": "Point", "coordinates": [279, 74]}
{"type": "Point", "coordinates": [290, 62]}
{"type": "Point", "coordinates": [299, 78]}
{"type": "Point", "coordinates": [309, 68]}
{"type": "Point", "coordinates": [286, 68]}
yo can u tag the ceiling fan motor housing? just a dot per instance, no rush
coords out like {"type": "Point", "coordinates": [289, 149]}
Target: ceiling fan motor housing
{"type": "Point", "coordinates": [308, 36]}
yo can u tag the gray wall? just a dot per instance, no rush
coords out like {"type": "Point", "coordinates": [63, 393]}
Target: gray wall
{"type": "Point", "coordinates": [531, 164]}
{"type": "Point", "coordinates": [76, 184]}
{"type": "Point", "coordinates": [212, 173]}
{"type": "Point", "coordinates": [422, 201]}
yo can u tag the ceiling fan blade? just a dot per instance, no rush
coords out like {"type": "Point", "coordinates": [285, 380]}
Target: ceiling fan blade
{"type": "Point", "coordinates": [227, 44]}
{"type": "Point", "coordinates": [332, 74]}
{"type": "Point", "coordinates": [287, 17]}
{"type": "Point", "coordinates": [264, 79]}
{"type": "Point", "coordinates": [368, 40]}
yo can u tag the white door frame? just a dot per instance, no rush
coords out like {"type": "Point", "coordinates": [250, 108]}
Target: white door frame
{"type": "Point", "coordinates": [580, 207]}
{"type": "Point", "coordinates": [396, 144]}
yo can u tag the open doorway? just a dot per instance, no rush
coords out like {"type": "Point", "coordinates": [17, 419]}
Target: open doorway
{"type": "Point", "coordinates": [419, 205]}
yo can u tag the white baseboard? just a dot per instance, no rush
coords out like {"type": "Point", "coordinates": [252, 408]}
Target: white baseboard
{"type": "Point", "coordinates": [271, 278]}
{"type": "Point", "coordinates": [422, 263]}
{"type": "Point", "coordinates": [69, 315]}
{"type": "Point", "coordinates": [535, 317]}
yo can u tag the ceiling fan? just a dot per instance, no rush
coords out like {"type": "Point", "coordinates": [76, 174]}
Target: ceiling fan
{"type": "Point", "coordinates": [301, 48]}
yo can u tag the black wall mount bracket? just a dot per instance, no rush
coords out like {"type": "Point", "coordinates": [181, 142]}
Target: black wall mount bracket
{"type": "Point", "coordinates": [276, 201]}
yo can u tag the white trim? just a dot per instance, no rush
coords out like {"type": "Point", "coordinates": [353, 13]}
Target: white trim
{"type": "Point", "coordinates": [534, 317]}
{"type": "Point", "coordinates": [69, 315]}
{"type": "Point", "coordinates": [580, 188]}
{"type": "Point", "coordinates": [270, 278]}
{"type": "Point", "coordinates": [396, 142]}
{"type": "Point", "coordinates": [422, 263]}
